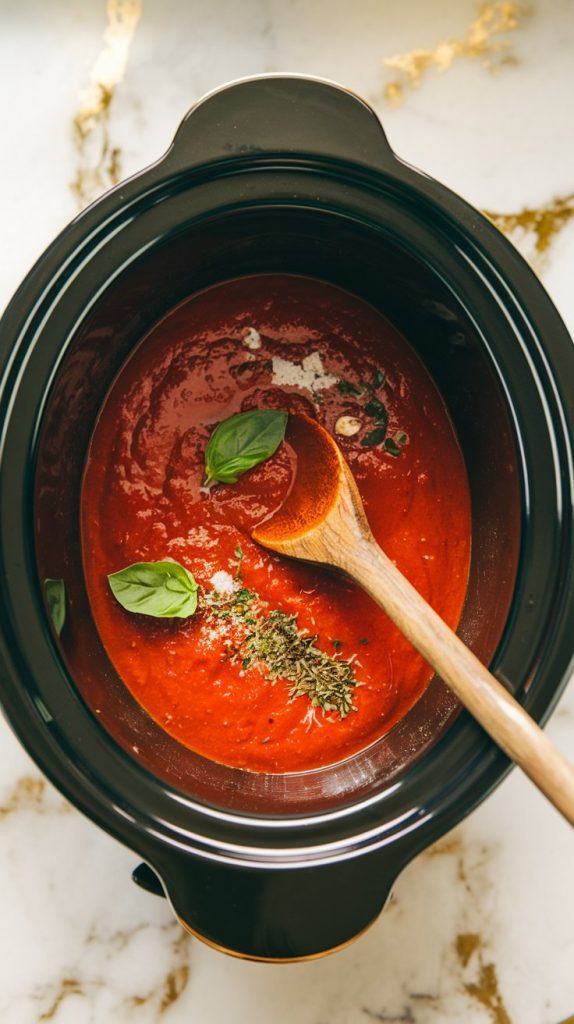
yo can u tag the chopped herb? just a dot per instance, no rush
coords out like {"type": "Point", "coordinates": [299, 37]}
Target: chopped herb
{"type": "Point", "coordinates": [363, 640]}
{"type": "Point", "coordinates": [55, 591]}
{"type": "Point", "coordinates": [239, 563]}
{"type": "Point", "coordinates": [378, 379]}
{"type": "Point", "coordinates": [377, 411]}
{"type": "Point", "coordinates": [346, 387]}
{"type": "Point", "coordinates": [401, 437]}
{"type": "Point", "coordinates": [285, 652]}
{"type": "Point", "coordinates": [337, 644]}
{"type": "Point", "coordinates": [250, 366]}
{"type": "Point", "coordinates": [376, 436]}
{"type": "Point", "coordinates": [392, 448]}
{"type": "Point", "coordinates": [290, 654]}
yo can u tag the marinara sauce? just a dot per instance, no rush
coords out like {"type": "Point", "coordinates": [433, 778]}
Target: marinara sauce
{"type": "Point", "coordinates": [302, 345]}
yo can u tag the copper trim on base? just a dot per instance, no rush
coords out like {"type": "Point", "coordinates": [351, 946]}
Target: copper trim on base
{"type": "Point", "coordinates": [274, 959]}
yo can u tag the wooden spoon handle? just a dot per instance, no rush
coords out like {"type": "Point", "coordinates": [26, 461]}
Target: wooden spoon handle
{"type": "Point", "coordinates": [496, 710]}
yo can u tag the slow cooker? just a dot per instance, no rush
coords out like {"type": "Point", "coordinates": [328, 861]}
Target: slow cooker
{"type": "Point", "coordinates": [283, 174]}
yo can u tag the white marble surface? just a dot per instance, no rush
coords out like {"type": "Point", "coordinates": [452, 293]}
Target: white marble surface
{"type": "Point", "coordinates": [79, 944]}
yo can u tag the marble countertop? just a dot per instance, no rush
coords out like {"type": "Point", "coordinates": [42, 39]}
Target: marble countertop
{"type": "Point", "coordinates": [480, 927]}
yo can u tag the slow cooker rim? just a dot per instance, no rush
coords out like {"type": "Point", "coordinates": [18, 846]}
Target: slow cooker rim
{"type": "Point", "coordinates": [497, 773]}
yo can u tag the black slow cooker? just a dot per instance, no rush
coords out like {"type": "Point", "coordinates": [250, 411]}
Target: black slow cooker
{"type": "Point", "coordinates": [283, 174]}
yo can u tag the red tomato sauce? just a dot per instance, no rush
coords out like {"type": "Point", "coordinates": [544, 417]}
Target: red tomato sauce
{"type": "Point", "coordinates": [269, 342]}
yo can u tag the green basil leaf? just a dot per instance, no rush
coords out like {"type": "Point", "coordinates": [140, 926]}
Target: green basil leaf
{"type": "Point", "coordinates": [376, 436]}
{"type": "Point", "coordinates": [377, 410]}
{"type": "Point", "coordinates": [55, 591]}
{"type": "Point", "coordinates": [378, 379]}
{"type": "Point", "coordinates": [392, 448]}
{"type": "Point", "coordinates": [164, 590]}
{"type": "Point", "coordinates": [242, 442]}
{"type": "Point", "coordinates": [346, 387]}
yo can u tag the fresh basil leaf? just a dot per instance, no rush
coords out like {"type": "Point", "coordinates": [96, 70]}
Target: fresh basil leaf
{"type": "Point", "coordinates": [164, 590]}
{"type": "Point", "coordinates": [377, 411]}
{"type": "Point", "coordinates": [55, 591]}
{"type": "Point", "coordinates": [392, 448]}
{"type": "Point", "coordinates": [242, 442]}
{"type": "Point", "coordinates": [378, 379]}
{"type": "Point", "coordinates": [346, 387]}
{"type": "Point", "coordinates": [376, 436]}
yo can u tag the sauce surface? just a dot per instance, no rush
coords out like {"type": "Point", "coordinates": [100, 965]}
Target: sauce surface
{"type": "Point", "coordinates": [270, 342]}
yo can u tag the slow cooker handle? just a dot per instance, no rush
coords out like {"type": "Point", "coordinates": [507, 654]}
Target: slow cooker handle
{"type": "Point", "coordinates": [280, 115]}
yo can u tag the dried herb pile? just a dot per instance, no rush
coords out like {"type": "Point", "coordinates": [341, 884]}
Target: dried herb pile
{"type": "Point", "coordinates": [273, 642]}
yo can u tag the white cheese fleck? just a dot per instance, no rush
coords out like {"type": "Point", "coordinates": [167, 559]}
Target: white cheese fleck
{"type": "Point", "coordinates": [310, 718]}
{"type": "Point", "coordinates": [252, 338]}
{"type": "Point", "coordinates": [223, 582]}
{"type": "Point", "coordinates": [347, 426]}
{"type": "Point", "coordinates": [310, 375]}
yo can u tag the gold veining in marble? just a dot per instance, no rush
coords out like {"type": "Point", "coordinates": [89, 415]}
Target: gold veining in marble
{"type": "Point", "coordinates": [467, 868]}
{"type": "Point", "coordinates": [484, 987]}
{"type": "Point", "coordinates": [486, 38]}
{"type": "Point", "coordinates": [477, 974]}
{"type": "Point", "coordinates": [447, 847]}
{"type": "Point", "coordinates": [116, 940]}
{"type": "Point", "coordinates": [539, 224]}
{"type": "Point", "coordinates": [67, 987]}
{"type": "Point", "coordinates": [29, 794]}
{"type": "Point", "coordinates": [466, 944]}
{"type": "Point", "coordinates": [175, 982]}
{"type": "Point", "coordinates": [405, 1017]}
{"type": "Point", "coordinates": [99, 162]}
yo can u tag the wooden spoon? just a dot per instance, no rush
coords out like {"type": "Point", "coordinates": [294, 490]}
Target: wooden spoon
{"type": "Point", "coordinates": [322, 520]}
